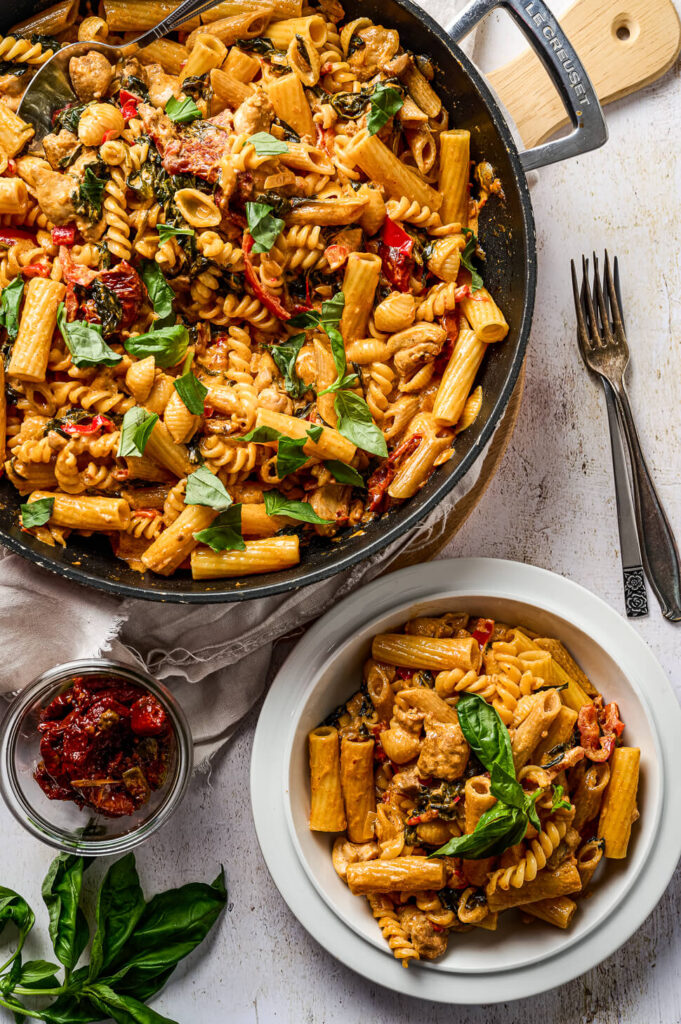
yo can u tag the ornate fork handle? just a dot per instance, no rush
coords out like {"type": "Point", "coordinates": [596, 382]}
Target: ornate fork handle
{"type": "Point", "coordinates": [661, 559]}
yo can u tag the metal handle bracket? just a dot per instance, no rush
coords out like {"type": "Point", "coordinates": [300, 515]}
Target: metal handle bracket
{"type": "Point", "coordinates": [567, 72]}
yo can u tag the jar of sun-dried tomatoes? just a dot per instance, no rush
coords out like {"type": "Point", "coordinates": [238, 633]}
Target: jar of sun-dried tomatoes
{"type": "Point", "coordinates": [94, 757]}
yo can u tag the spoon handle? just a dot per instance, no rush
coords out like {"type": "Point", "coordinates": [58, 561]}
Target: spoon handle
{"type": "Point", "coordinates": [186, 10]}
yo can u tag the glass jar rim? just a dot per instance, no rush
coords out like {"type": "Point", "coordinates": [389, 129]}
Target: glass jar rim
{"type": "Point", "coordinates": [34, 822]}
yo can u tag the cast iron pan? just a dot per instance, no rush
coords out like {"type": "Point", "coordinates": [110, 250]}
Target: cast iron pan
{"type": "Point", "coordinates": [508, 237]}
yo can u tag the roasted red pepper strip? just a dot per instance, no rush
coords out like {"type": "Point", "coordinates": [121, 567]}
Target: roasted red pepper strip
{"type": "Point", "coordinates": [483, 631]}
{"type": "Point", "coordinates": [599, 728]}
{"type": "Point", "coordinates": [99, 422]}
{"type": "Point", "coordinates": [8, 236]}
{"type": "Point", "coordinates": [65, 235]}
{"type": "Point", "coordinates": [380, 480]}
{"type": "Point", "coordinates": [35, 270]}
{"type": "Point", "coordinates": [128, 102]}
{"type": "Point", "coordinates": [11, 169]}
{"type": "Point", "coordinates": [395, 251]}
{"type": "Point", "coordinates": [268, 300]}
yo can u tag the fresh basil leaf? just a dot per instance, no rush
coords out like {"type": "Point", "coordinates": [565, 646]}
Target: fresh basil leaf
{"type": "Point", "coordinates": [263, 226]}
{"type": "Point", "coordinates": [307, 319]}
{"type": "Point", "coordinates": [357, 424]}
{"type": "Point", "coordinates": [262, 435]}
{"type": "Point", "coordinates": [559, 800]}
{"type": "Point", "coordinates": [88, 198]}
{"type": "Point", "coordinates": [61, 893]}
{"type": "Point", "coordinates": [123, 1009]}
{"type": "Point", "coordinates": [266, 144]}
{"type": "Point", "coordinates": [385, 102]}
{"type": "Point", "coordinates": [344, 474]}
{"type": "Point", "coordinates": [172, 925]}
{"type": "Point", "coordinates": [120, 904]}
{"type": "Point", "coordinates": [161, 295]}
{"type": "Point", "coordinates": [35, 513]}
{"type": "Point", "coordinates": [136, 430]}
{"type": "Point", "coordinates": [14, 908]}
{"type": "Point", "coordinates": [466, 255]}
{"type": "Point", "coordinates": [85, 342]}
{"type": "Point", "coordinates": [192, 392]}
{"type": "Point", "coordinates": [204, 488]}
{"type": "Point", "coordinates": [285, 356]}
{"type": "Point", "coordinates": [9, 307]}
{"type": "Point", "coordinates": [290, 455]}
{"type": "Point", "coordinates": [278, 505]}
{"type": "Point", "coordinates": [315, 432]}
{"type": "Point", "coordinates": [498, 828]}
{"type": "Point", "coordinates": [505, 787]}
{"type": "Point", "coordinates": [168, 345]}
{"type": "Point", "coordinates": [182, 111]}
{"type": "Point", "coordinates": [71, 1008]}
{"type": "Point", "coordinates": [166, 231]}
{"type": "Point", "coordinates": [224, 533]}
{"type": "Point", "coordinates": [332, 311]}
{"type": "Point", "coordinates": [34, 971]}
{"type": "Point", "coordinates": [485, 732]}
{"type": "Point", "coordinates": [350, 380]}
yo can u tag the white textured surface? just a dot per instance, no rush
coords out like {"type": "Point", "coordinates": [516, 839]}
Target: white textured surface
{"type": "Point", "coordinates": [552, 503]}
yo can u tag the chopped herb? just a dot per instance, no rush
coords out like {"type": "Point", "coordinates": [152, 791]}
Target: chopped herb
{"type": "Point", "coordinates": [204, 488]}
{"type": "Point", "coordinates": [8, 67]}
{"type": "Point", "coordinates": [260, 44]}
{"type": "Point", "coordinates": [168, 345]}
{"type": "Point", "coordinates": [224, 534]}
{"type": "Point", "coordinates": [36, 513]}
{"type": "Point", "coordinates": [559, 801]}
{"type": "Point", "coordinates": [68, 117]}
{"type": "Point", "coordinates": [166, 231]}
{"type": "Point", "coordinates": [135, 85]}
{"type": "Point", "coordinates": [467, 254]}
{"type": "Point", "coordinates": [88, 197]}
{"type": "Point", "coordinates": [108, 306]}
{"type": "Point", "coordinates": [285, 356]}
{"type": "Point", "coordinates": [182, 111]}
{"type": "Point", "coordinates": [10, 303]}
{"type": "Point", "coordinates": [85, 342]}
{"type": "Point", "coordinates": [136, 430]}
{"type": "Point", "coordinates": [385, 102]}
{"type": "Point", "coordinates": [344, 474]}
{"type": "Point", "coordinates": [71, 157]}
{"type": "Point", "coordinates": [266, 144]}
{"type": "Point", "coordinates": [263, 226]}
{"type": "Point", "coordinates": [161, 295]}
{"type": "Point", "coordinates": [278, 505]}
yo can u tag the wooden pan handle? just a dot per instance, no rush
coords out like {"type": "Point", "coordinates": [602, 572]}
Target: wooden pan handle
{"type": "Point", "coordinates": [624, 45]}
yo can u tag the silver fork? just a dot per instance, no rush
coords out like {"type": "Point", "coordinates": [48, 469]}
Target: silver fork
{"type": "Point", "coordinates": [50, 89]}
{"type": "Point", "coordinates": [604, 349]}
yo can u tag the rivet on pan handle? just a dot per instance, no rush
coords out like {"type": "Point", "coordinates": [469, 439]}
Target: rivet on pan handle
{"type": "Point", "coordinates": [563, 65]}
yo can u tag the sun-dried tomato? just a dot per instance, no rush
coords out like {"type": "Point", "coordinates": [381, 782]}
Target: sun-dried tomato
{"type": "Point", "coordinates": [599, 729]}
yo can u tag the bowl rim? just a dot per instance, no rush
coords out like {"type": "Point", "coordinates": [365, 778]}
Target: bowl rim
{"type": "Point", "coordinates": [391, 594]}
{"type": "Point", "coordinates": [35, 823]}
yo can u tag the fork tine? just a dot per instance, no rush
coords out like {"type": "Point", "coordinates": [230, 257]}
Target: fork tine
{"type": "Point", "coordinates": [602, 309]}
{"type": "Point", "coordinates": [612, 293]}
{"type": "Point", "coordinates": [582, 332]}
{"type": "Point", "coordinates": [596, 339]}
{"type": "Point", "coordinates": [618, 292]}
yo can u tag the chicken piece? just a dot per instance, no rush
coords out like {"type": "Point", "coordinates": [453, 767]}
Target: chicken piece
{"type": "Point", "coordinates": [407, 782]}
{"type": "Point", "coordinates": [444, 751]}
{"type": "Point", "coordinates": [59, 147]}
{"type": "Point", "coordinates": [162, 87]}
{"type": "Point", "coordinates": [158, 125]}
{"type": "Point", "coordinates": [272, 398]}
{"type": "Point", "coordinates": [91, 76]}
{"type": "Point", "coordinates": [255, 114]}
{"type": "Point", "coordinates": [428, 943]}
{"type": "Point", "coordinates": [306, 365]}
{"type": "Point", "coordinates": [345, 853]}
{"type": "Point", "coordinates": [54, 193]}
{"type": "Point", "coordinates": [409, 360]}
{"type": "Point", "coordinates": [331, 502]}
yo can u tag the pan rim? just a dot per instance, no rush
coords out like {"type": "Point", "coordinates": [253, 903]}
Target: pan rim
{"type": "Point", "coordinates": [412, 518]}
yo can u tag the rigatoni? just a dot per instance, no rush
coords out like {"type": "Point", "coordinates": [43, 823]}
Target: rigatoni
{"type": "Point", "coordinates": [404, 874]}
{"type": "Point", "coordinates": [270, 555]}
{"type": "Point", "coordinates": [619, 812]}
{"type": "Point", "coordinates": [357, 785]}
{"type": "Point", "coordinates": [82, 512]}
{"type": "Point", "coordinates": [38, 320]}
{"type": "Point", "coordinates": [327, 813]}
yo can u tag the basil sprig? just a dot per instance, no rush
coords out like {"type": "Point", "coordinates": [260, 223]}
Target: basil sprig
{"type": "Point", "coordinates": [182, 111]}
{"type": "Point", "coordinates": [276, 504]}
{"type": "Point", "coordinates": [467, 254]}
{"type": "Point", "coordinates": [224, 533]}
{"type": "Point", "coordinates": [168, 345]}
{"type": "Point", "coordinates": [343, 473]}
{"type": "Point", "coordinates": [385, 102]}
{"type": "Point", "coordinates": [161, 295]}
{"type": "Point", "coordinates": [10, 303]}
{"type": "Point", "coordinates": [136, 430]}
{"type": "Point", "coordinates": [166, 231]}
{"type": "Point", "coordinates": [204, 488]}
{"type": "Point", "coordinates": [136, 947]}
{"type": "Point", "coordinates": [290, 454]}
{"type": "Point", "coordinates": [263, 225]}
{"type": "Point", "coordinates": [85, 342]}
{"type": "Point", "coordinates": [34, 513]}
{"type": "Point", "coordinates": [266, 144]}
{"type": "Point", "coordinates": [285, 356]}
{"type": "Point", "coordinates": [505, 824]}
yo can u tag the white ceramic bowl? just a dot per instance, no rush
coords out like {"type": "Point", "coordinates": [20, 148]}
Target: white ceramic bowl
{"type": "Point", "coordinates": [325, 669]}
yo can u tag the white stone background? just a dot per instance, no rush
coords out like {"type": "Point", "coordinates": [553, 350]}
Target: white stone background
{"type": "Point", "coordinates": [551, 504]}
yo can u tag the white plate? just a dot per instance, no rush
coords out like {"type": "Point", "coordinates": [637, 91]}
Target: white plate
{"type": "Point", "coordinates": [325, 668]}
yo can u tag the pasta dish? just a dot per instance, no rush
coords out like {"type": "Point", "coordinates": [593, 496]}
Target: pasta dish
{"type": "Point", "coordinates": [475, 771]}
{"type": "Point", "coordinates": [243, 296]}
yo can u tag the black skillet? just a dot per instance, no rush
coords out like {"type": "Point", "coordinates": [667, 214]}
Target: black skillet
{"type": "Point", "coordinates": [508, 236]}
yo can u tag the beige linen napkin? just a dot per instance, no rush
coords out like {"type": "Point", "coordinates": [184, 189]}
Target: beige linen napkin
{"type": "Point", "coordinates": [45, 620]}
